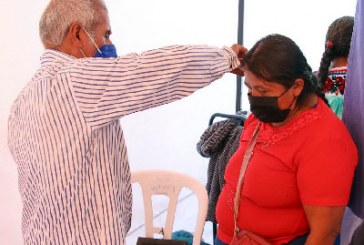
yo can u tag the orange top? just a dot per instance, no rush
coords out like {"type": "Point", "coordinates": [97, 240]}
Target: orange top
{"type": "Point", "coordinates": [310, 160]}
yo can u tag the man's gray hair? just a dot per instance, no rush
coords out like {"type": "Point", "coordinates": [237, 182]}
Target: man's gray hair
{"type": "Point", "coordinates": [60, 14]}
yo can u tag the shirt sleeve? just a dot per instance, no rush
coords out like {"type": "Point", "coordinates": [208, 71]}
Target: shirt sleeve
{"type": "Point", "coordinates": [325, 168]}
{"type": "Point", "coordinates": [106, 89]}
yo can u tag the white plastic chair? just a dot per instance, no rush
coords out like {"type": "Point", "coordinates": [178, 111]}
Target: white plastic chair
{"type": "Point", "coordinates": [169, 183]}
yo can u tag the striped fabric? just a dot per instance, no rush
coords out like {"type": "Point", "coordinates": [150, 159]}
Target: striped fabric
{"type": "Point", "coordinates": [65, 137]}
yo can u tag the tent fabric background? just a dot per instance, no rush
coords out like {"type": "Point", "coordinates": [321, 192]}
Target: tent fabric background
{"type": "Point", "coordinates": [353, 117]}
{"type": "Point", "coordinates": [353, 114]}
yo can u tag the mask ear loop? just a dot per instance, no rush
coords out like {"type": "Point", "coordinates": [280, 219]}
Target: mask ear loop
{"type": "Point", "coordinates": [292, 100]}
{"type": "Point", "coordinates": [92, 40]}
{"type": "Point", "coordinates": [284, 92]}
{"type": "Point", "coordinates": [84, 56]}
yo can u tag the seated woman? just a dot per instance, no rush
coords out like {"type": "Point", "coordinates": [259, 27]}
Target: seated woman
{"type": "Point", "coordinates": [298, 179]}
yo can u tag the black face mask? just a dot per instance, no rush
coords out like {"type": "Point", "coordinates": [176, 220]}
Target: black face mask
{"type": "Point", "coordinates": [266, 109]}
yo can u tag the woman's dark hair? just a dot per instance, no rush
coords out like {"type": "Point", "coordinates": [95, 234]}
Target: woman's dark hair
{"type": "Point", "coordinates": [277, 58]}
{"type": "Point", "coordinates": [337, 44]}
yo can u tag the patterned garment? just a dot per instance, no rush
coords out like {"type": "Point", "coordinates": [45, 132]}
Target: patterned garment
{"type": "Point", "coordinates": [64, 134]}
{"type": "Point", "coordinates": [334, 89]}
{"type": "Point", "coordinates": [335, 82]}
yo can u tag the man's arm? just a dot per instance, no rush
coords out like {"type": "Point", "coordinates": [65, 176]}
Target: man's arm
{"type": "Point", "coordinates": [106, 89]}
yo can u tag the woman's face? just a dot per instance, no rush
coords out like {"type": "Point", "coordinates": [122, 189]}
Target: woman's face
{"type": "Point", "coordinates": [259, 88]}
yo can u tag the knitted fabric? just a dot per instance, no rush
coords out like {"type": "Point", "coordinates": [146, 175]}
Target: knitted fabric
{"type": "Point", "coordinates": [219, 142]}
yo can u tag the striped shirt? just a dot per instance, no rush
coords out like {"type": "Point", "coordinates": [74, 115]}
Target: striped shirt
{"type": "Point", "coordinates": [65, 137]}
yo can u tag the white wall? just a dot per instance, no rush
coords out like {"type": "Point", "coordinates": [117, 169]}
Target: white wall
{"type": "Point", "coordinates": [163, 137]}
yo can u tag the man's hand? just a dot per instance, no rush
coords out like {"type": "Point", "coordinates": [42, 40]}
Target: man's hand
{"type": "Point", "coordinates": [240, 51]}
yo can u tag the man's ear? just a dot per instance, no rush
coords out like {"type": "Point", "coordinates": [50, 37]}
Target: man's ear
{"type": "Point", "coordinates": [298, 86]}
{"type": "Point", "coordinates": [75, 33]}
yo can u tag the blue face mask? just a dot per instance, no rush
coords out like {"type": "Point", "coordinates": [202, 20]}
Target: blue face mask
{"type": "Point", "coordinates": [106, 51]}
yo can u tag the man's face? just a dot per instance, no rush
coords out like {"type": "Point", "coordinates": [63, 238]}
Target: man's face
{"type": "Point", "coordinates": [102, 35]}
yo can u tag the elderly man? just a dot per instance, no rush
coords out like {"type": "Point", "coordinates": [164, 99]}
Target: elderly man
{"type": "Point", "coordinates": [64, 132]}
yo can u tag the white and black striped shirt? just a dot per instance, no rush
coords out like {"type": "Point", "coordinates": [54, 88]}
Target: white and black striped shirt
{"type": "Point", "coordinates": [65, 136]}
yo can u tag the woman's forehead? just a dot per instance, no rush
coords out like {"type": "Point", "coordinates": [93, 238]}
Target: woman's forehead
{"type": "Point", "coordinates": [253, 81]}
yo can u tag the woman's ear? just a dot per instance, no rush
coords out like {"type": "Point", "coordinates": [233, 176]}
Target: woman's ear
{"type": "Point", "coordinates": [298, 86]}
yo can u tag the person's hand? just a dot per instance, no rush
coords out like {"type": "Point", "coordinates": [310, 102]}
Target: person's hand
{"type": "Point", "coordinates": [240, 51]}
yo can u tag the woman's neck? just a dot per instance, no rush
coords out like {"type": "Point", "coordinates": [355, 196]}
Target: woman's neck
{"type": "Point", "coordinates": [338, 62]}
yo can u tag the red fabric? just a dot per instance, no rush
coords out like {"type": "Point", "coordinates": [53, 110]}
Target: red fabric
{"type": "Point", "coordinates": [310, 160]}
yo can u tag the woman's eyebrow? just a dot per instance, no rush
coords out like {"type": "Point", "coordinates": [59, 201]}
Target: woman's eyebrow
{"type": "Point", "coordinates": [259, 87]}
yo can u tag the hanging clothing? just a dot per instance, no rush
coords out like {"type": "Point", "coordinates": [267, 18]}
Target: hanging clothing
{"type": "Point", "coordinates": [218, 142]}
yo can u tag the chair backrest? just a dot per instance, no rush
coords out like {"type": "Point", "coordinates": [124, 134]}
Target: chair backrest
{"type": "Point", "coordinates": [169, 183]}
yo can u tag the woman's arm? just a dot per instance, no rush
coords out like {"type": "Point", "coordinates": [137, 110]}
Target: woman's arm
{"type": "Point", "coordinates": [325, 224]}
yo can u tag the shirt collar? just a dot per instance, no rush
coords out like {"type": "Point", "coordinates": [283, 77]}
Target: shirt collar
{"type": "Point", "coordinates": [51, 56]}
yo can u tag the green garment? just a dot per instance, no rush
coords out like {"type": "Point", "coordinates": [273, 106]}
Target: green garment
{"type": "Point", "coordinates": [336, 104]}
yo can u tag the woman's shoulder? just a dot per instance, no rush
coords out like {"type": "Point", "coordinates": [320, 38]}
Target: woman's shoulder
{"type": "Point", "coordinates": [315, 122]}
{"type": "Point", "coordinates": [328, 129]}
{"type": "Point", "coordinates": [328, 120]}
